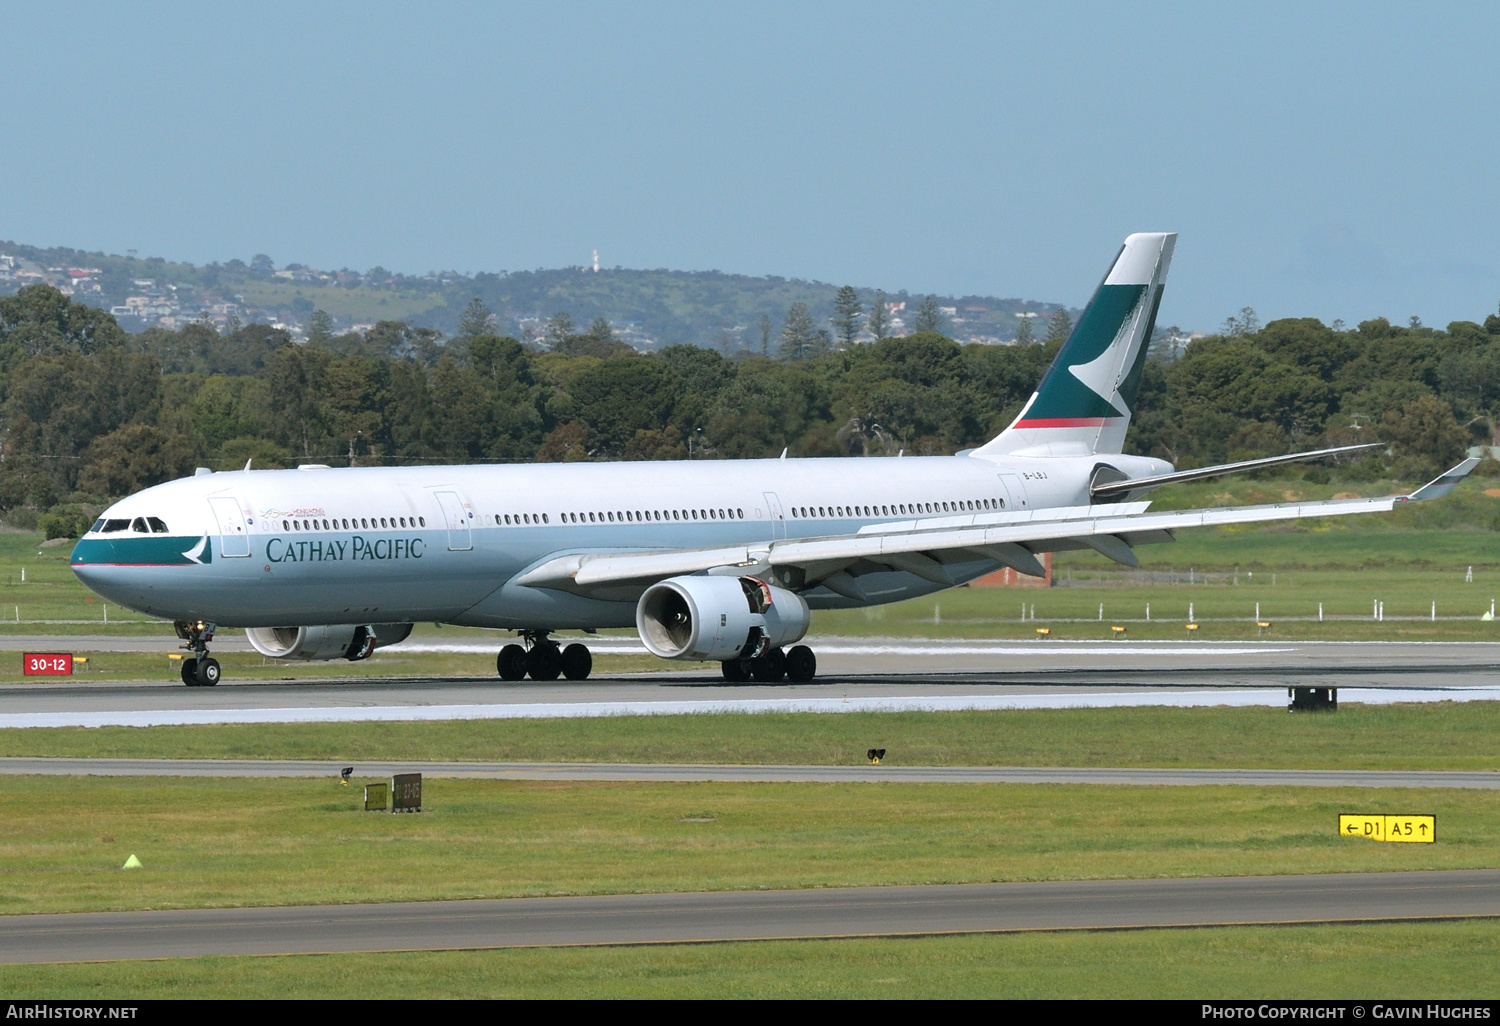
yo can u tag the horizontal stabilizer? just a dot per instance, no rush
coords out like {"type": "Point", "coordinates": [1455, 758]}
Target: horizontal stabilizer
{"type": "Point", "coordinates": [1201, 473]}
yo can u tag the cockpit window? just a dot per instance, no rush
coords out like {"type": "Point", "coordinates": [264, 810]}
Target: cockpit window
{"type": "Point", "coordinates": [98, 525]}
{"type": "Point", "coordinates": [157, 525]}
{"type": "Point", "coordinates": [111, 526]}
{"type": "Point", "coordinates": [139, 526]}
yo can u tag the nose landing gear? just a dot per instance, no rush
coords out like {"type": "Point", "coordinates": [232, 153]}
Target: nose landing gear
{"type": "Point", "coordinates": [201, 669]}
{"type": "Point", "coordinates": [543, 659]}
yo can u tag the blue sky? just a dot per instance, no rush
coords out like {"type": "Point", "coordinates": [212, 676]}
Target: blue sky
{"type": "Point", "coordinates": [1329, 160]}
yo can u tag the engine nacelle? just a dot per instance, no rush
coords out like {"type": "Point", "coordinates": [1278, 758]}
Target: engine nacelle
{"type": "Point", "coordinates": [718, 618]}
{"type": "Point", "coordinates": [337, 641]}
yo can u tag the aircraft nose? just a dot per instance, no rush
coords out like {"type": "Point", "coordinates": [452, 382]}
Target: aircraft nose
{"type": "Point", "coordinates": [93, 562]}
{"type": "Point", "coordinates": [91, 575]}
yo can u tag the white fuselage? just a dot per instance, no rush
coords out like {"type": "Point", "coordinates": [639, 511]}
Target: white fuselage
{"type": "Point", "coordinates": [444, 543]}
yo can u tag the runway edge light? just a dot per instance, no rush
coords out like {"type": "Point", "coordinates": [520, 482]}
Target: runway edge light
{"type": "Point", "coordinates": [1404, 828]}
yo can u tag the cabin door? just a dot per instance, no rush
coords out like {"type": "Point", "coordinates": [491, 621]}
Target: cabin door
{"type": "Point", "coordinates": [459, 536]}
{"type": "Point", "coordinates": [1015, 492]}
{"type": "Point", "coordinates": [234, 540]}
{"type": "Point", "coordinates": [778, 518]}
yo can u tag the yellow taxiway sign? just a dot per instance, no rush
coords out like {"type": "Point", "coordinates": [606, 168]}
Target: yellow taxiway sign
{"type": "Point", "coordinates": [1389, 828]}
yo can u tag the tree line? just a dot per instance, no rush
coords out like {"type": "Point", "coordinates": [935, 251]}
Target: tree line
{"type": "Point", "coordinates": [89, 412]}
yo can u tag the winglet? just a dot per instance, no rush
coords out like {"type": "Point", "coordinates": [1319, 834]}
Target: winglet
{"type": "Point", "coordinates": [1444, 483]}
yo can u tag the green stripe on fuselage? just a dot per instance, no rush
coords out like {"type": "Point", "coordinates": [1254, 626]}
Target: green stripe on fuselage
{"type": "Point", "coordinates": [142, 550]}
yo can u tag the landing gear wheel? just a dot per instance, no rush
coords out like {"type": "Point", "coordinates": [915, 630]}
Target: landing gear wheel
{"type": "Point", "coordinates": [207, 671]}
{"type": "Point", "coordinates": [511, 662]}
{"type": "Point", "coordinates": [544, 662]}
{"type": "Point", "coordinates": [577, 662]}
{"type": "Point", "coordinates": [737, 671]}
{"type": "Point", "coordinates": [801, 665]}
{"type": "Point", "coordinates": [201, 670]}
{"type": "Point", "coordinates": [769, 668]}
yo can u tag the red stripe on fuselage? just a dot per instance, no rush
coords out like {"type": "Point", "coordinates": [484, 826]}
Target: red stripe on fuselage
{"type": "Point", "coordinates": [139, 564]}
{"type": "Point", "coordinates": [1064, 422]}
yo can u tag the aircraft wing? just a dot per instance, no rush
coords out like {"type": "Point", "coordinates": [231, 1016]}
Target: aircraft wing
{"type": "Point", "coordinates": [945, 550]}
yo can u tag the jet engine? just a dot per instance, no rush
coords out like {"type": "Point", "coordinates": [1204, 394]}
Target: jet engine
{"type": "Point", "coordinates": [718, 618]}
{"type": "Point", "coordinates": [337, 641]}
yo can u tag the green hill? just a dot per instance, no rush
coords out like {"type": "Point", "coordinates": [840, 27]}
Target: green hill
{"type": "Point", "coordinates": [648, 308]}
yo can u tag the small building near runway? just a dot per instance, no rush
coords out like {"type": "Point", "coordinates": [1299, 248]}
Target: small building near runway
{"type": "Point", "coordinates": [1005, 577]}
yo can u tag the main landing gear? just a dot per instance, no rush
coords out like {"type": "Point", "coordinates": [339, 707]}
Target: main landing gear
{"type": "Point", "coordinates": [798, 666]}
{"type": "Point", "coordinates": [200, 669]}
{"type": "Point", "coordinates": [543, 659]}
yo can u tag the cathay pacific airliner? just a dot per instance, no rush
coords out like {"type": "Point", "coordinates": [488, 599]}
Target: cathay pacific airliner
{"type": "Point", "coordinates": [721, 560]}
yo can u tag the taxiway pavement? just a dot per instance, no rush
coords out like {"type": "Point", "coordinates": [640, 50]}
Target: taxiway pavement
{"type": "Point", "coordinates": [661, 772]}
{"type": "Point", "coordinates": [751, 915]}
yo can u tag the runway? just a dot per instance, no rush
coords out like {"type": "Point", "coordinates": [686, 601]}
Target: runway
{"type": "Point", "coordinates": [659, 772]}
{"type": "Point", "coordinates": [856, 675]}
{"type": "Point", "coordinates": [1405, 663]}
{"type": "Point", "coordinates": [751, 915]}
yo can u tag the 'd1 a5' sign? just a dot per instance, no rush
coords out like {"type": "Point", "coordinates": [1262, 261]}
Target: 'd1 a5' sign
{"type": "Point", "coordinates": [47, 664]}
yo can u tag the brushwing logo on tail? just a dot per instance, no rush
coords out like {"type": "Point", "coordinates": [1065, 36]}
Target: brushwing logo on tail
{"type": "Point", "coordinates": [1087, 394]}
{"type": "Point", "coordinates": [1101, 374]}
{"type": "Point", "coordinates": [1084, 401]}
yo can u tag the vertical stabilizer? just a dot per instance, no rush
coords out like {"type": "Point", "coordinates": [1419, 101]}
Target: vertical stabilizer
{"type": "Point", "coordinates": [1084, 402]}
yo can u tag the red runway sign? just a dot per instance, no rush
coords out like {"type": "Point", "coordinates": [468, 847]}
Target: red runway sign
{"type": "Point", "coordinates": [47, 664]}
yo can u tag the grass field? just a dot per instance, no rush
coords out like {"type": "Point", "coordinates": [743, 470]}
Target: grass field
{"type": "Point", "coordinates": [221, 842]}
{"type": "Point", "coordinates": [1226, 610]}
{"type": "Point", "coordinates": [1439, 735]}
{"type": "Point", "coordinates": [1368, 961]}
